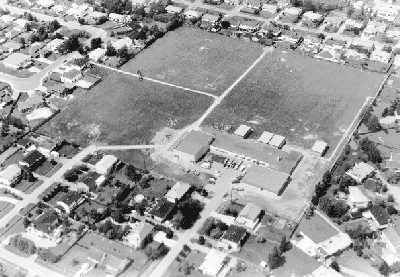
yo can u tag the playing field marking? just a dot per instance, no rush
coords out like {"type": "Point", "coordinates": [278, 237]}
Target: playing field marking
{"type": "Point", "coordinates": [156, 81]}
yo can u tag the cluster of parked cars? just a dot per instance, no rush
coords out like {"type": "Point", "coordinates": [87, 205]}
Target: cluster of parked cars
{"type": "Point", "coordinates": [231, 163]}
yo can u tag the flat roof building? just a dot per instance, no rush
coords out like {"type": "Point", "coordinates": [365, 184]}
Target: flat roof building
{"type": "Point", "coordinates": [320, 147]}
{"type": "Point", "coordinates": [243, 131]}
{"type": "Point", "coordinates": [361, 171]}
{"type": "Point", "coordinates": [357, 199]}
{"type": "Point", "coordinates": [106, 164]}
{"type": "Point", "coordinates": [17, 60]}
{"type": "Point", "coordinates": [192, 146]}
{"type": "Point", "coordinates": [265, 137]}
{"type": "Point", "coordinates": [264, 178]}
{"type": "Point", "coordinates": [278, 141]}
{"type": "Point", "coordinates": [333, 245]}
{"type": "Point", "coordinates": [249, 216]}
{"type": "Point", "coordinates": [213, 263]}
{"type": "Point", "coordinates": [10, 175]}
{"type": "Point", "coordinates": [177, 192]}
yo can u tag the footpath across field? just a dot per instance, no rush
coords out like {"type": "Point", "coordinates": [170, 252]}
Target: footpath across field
{"type": "Point", "coordinates": [196, 59]}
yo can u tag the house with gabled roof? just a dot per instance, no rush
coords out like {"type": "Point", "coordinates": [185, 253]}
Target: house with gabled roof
{"type": "Point", "coordinates": [71, 76]}
{"type": "Point", "coordinates": [177, 192]}
{"type": "Point", "coordinates": [137, 234]}
{"type": "Point", "coordinates": [69, 201]}
{"type": "Point", "coordinates": [357, 198]}
{"type": "Point", "coordinates": [11, 175]}
{"type": "Point", "coordinates": [380, 217]}
{"type": "Point", "coordinates": [233, 238]}
{"type": "Point", "coordinates": [48, 225]}
{"type": "Point", "coordinates": [249, 216]}
{"type": "Point", "coordinates": [391, 237]}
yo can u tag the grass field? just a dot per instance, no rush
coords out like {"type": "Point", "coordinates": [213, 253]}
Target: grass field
{"type": "Point", "coordinates": [196, 59]}
{"type": "Point", "coordinates": [316, 228]}
{"type": "Point", "coordinates": [123, 110]}
{"type": "Point", "coordinates": [300, 98]}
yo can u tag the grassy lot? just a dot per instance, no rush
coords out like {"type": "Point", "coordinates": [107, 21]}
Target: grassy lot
{"type": "Point", "coordinates": [300, 98]}
{"type": "Point", "coordinates": [255, 252]}
{"type": "Point", "coordinates": [195, 259]}
{"type": "Point", "coordinates": [316, 228]}
{"type": "Point", "coordinates": [297, 264]}
{"type": "Point", "coordinates": [14, 226]}
{"type": "Point", "coordinates": [350, 260]}
{"type": "Point", "coordinates": [5, 208]}
{"type": "Point", "coordinates": [123, 110]}
{"type": "Point", "coordinates": [45, 168]}
{"type": "Point", "coordinates": [196, 59]}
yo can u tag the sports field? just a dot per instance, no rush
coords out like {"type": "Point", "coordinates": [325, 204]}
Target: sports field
{"type": "Point", "coordinates": [196, 59]}
{"type": "Point", "coordinates": [123, 110]}
{"type": "Point", "coordinates": [300, 98]}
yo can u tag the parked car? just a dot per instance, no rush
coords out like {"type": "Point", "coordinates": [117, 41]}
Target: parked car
{"type": "Point", "coordinates": [242, 167]}
{"type": "Point", "coordinates": [218, 173]}
{"type": "Point", "coordinates": [206, 165]}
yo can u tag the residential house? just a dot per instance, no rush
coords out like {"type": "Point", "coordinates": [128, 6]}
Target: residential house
{"type": "Point", "coordinates": [380, 217]}
{"type": "Point", "coordinates": [173, 9]}
{"type": "Point", "coordinates": [107, 164]}
{"type": "Point", "coordinates": [193, 14]}
{"type": "Point", "coordinates": [34, 49]}
{"type": "Point", "coordinates": [97, 54]}
{"type": "Point", "coordinates": [88, 81]}
{"type": "Point", "coordinates": [21, 22]}
{"type": "Point", "coordinates": [118, 17]}
{"type": "Point", "coordinates": [292, 14]}
{"type": "Point", "coordinates": [122, 42]}
{"type": "Point", "coordinates": [45, 3]}
{"type": "Point", "coordinates": [351, 24]}
{"type": "Point", "coordinates": [213, 263]}
{"type": "Point", "coordinates": [277, 141]}
{"type": "Point", "coordinates": [78, 63]}
{"type": "Point", "coordinates": [312, 19]}
{"type": "Point", "coordinates": [48, 225]}
{"type": "Point", "coordinates": [60, 9]}
{"type": "Point", "coordinates": [249, 216]}
{"type": "Point", "coordinates": [11, 175]}
{"type": "Point", "coordinates": [69, 201]}
{"type": "Point", "coordinates": [393, 33]}
{"type": "Point", "coordinates": [333, 23]}
{"type": "Point", "coordinates": [32, 160]}
{"type": "Point", "coordinates": [162, 210]}
{"type": "Point", "coordinates": [177, 192]}
{"type": "Point", "coordinates": [270, 8]}
{"type": "Point", "coordinates": [357, 199]}
{"type": "Point", "coordinates": [390, 236]}
{"type": "Point", "coordinates": [39, 114]}
{"type": "Point", "coordinates": [7, 18]}
{"type": "Point", "coordinates": [71, 76]}
{"type": "Point", "coordinates": [210, 18]}
{"type": "Point", "coordinates": [320, 147]}
{"type": "Point", "coordinates": [253, 4]}
{"type": "Point", "coordinates": [361, 171]}
{"type": "Point", "coordinates": [334, 245]}
{"type": "Point", "coordinates": [243, 131]}
{"type": "Point", "coordinates": [380, 56]}
{"type": "Point", "coordinates": [249, 26]}
{"type": "Point", "coordinates": [233, 238]}
{"type": "Point", "coordinates": [374, 28]}
{"type": "Point", "coordinates": [291, 37]}
{"type": "Point", "coordinates": [55, 45]}
{"type": "Point", "coordinates": [385, 12]}
{"type": "Point", "coordinates": [231, 21]}
{"type": "Point", "coordinates": [137, 234]}
{"type": "Point", "coordinates": [12, 34]}
{"type": "Point", "coordinates": [11, 46]}
{"type": "Point", "coordinates": [276, 31]}
{"type": "Point", "coordinates": [17, 61]}
{"type": "Point", "coordinates": [233, 2]}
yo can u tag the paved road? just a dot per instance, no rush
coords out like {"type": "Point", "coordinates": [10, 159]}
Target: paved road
{"type": "Point", "coordinates": [33, 82]}
{"type": "Point", "coordinates": [94, 31]}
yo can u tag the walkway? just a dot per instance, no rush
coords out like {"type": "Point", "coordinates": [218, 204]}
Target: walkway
{"type": "Point", "coordinates": [154, 80]}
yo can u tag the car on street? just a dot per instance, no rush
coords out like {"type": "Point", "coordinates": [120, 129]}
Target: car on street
{"type": "Point", "coordinates": [218, 173]}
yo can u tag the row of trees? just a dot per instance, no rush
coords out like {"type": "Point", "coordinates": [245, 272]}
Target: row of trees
{"type": "Point", "coordinates": [276, 258]}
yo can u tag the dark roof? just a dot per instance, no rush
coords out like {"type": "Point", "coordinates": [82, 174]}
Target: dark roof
{"type": "Point", "coordinates": [380, 214]}
{"type": "Point", "coordinates": [33, 157]}
{"type": "Point", "coordinates": [80, 61]}
{"type": "Point", "coordinates": [70, 198]}
{"type": "Point", "coordinates": [162, 209]}
{"type": "Point", "coordinates": [234, 233]}
{"type": "Point", "coordinates": [47, 222]}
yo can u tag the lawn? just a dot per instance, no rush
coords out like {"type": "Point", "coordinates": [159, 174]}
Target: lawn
{"type": "Point", "coordinates": [196, 59]}
{"type": "Point", "coordinates": [316, 228]}
{"type": "Point", "coordinates": [44, 168]}
{"type": "Point", "coordinates": [297, 263]}
{"type": "Point", "coordinates": [255, 252]}
{"type": "Point", "coordinates": [300, 98]}
{"type": "Point", "coordinates": [123, 110]}
{"type": "Point", "coordinates": [5, 208]}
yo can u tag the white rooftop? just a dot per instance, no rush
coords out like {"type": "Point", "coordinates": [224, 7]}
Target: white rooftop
{"type": "Point", "coordinates": [10, 172]}
{"type": "Point", "coordinates": [334, 244]}
{"type": "Point", "coordinates": [319, 146]}
{"type": "Point", "coordinates": [213, 262]}
{"type": "Point", "coordinates": [277, 140]}
{"type": "Point", "coordinates": [242, 130]}
{"type": "Point", "coordinates": [266, 137]}
{"type": "Point", "coordinates": [356, 195]}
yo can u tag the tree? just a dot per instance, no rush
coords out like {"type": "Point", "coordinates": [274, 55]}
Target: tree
{"type": "Point", "coordinates": [390, 198]}
{"type": "Point", "coordinates": [285, 245]}
{"type": "Point", "coordinates": [384, 268]}
{"type": "Point", "coordinates": [327, 177]}
{"type": "Point", "coordinates": [72, 44]}
{"type": "Point", "coordinates": [275, 259]}
{"type": "Point", "coordinates": [95, 43]}
{"type": "Point", "coordinates": [335, 266]}
{"type": "Point", "coordinates": [33, 38]}
{"type": "Point", "coordinates": [185, 268]}
{"type": "Point", "coordinates": [26, 222]}
{"type": "Point", "coordinates": [201, 240]}
{"type": "Point", "coordinates": [101, 20]}
{"type": "Point", "coordinates": [371, 150]}
{"type": "Point", "coordinates": [80, 230]}
{"type": "Point", "coordinates": [110, 50]}
{"type": "Point", "coordinates": [81, 21]}
{"type": "Point", "coordinates": [131, 173]}
{"type": "Point", "coordinates": [42, 33]}
{"type": "Point", "coordinates": [373, 124]}
{"type": "Point", "coordinates": [392, 210]}
{"type": "Point", "coordinates": [53, 26]}
{"type": "Point", "coordinates": [123, 54]}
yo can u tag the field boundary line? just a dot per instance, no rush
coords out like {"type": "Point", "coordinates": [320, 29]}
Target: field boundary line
{"type": "Point", "coordinates": [154, 80]}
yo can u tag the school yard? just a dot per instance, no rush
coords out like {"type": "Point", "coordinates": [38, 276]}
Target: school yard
{"type": "Point", "coordinates": [123, 110]}
{"type": "Point", "coordinates": [300, 98]}
{"type": "Point", "coordinates": [196, 59]}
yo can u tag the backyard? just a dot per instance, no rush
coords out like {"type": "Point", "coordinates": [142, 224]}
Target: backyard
{"type": "Point", "coordinates": [196, 59]}
{"type": "Point", "coordinates": [316, 228]}
{"type": "Point", "coordinates": [123, 110]}
{"type": "Point", "coordinates": [300, 98]}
